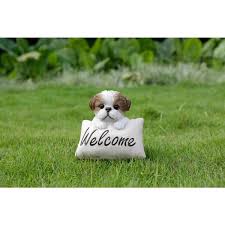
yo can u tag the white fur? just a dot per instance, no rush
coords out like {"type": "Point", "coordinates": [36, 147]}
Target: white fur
{"type": "Point", "coordinates": [117, 120]}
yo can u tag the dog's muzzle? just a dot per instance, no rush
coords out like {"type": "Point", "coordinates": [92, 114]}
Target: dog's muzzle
{"type": "Point", "coordinates": [108, 109]}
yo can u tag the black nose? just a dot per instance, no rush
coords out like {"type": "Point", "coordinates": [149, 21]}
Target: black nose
{"type": "Point", "coordinates": [108, 109]}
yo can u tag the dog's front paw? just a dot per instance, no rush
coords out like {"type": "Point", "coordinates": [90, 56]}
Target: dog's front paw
{"type": "Point", "coordinates": [119, 125]}
{"type": "Point", "coordinates": [99, 125]}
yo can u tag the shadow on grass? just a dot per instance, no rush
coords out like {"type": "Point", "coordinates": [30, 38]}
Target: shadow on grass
{"type": "Point", "coordinates": [152, 154]}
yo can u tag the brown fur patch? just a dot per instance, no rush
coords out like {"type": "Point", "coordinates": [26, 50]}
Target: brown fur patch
{"type": "Point", "coordinates": [123, 102]}
{"type": "Point", "coordinates": [95, 102]}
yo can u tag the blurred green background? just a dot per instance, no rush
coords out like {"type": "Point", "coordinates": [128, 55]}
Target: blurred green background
{"type": "Point", "coordinates": [138, 60]}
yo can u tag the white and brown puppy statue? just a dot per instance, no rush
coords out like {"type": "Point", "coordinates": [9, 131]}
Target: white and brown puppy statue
{"type": "Point", "coordinates": [110, 135]}
{"type": "Point", "coordinates": [109, 108]}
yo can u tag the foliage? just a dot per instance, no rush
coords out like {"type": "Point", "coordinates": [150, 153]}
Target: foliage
{"type": "Point", "coordinates": [166, 50]}
{"type": "Point", "coordinates": [192, 50]}
{"type": "Point", "coordinates": [21, 59]}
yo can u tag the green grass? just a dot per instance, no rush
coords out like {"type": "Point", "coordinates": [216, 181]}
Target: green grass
{"type": "Point", "coordinates": [184, 138]}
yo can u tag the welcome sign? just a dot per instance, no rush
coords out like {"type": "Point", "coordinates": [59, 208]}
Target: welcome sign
{"type": "Point", "coordinates": [111, 143]}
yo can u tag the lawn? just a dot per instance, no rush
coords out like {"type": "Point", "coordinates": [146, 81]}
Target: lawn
{"type": "Point", "coordinates": [184, 138]}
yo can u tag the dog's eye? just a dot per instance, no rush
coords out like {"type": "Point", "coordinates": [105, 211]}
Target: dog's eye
{"type": "Point", "coordinates": [116, 107]}
{"type": "Point", "coordinates": [101, 106]}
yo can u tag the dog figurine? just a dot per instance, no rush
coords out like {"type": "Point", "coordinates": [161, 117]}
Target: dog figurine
{"type": "Point", "coordinates": [109, 108]}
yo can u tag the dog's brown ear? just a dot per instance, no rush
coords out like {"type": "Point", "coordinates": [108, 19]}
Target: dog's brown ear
{"type": "Point", "coordinates": [94, 101]}
{"type": "Point", "coordinates": [123, 102]}
{"type": "Point", "coordinates": [128, 104]}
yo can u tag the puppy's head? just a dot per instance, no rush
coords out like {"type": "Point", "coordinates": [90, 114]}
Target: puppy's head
{"type": "Point", "coordinates": [109, 105]}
